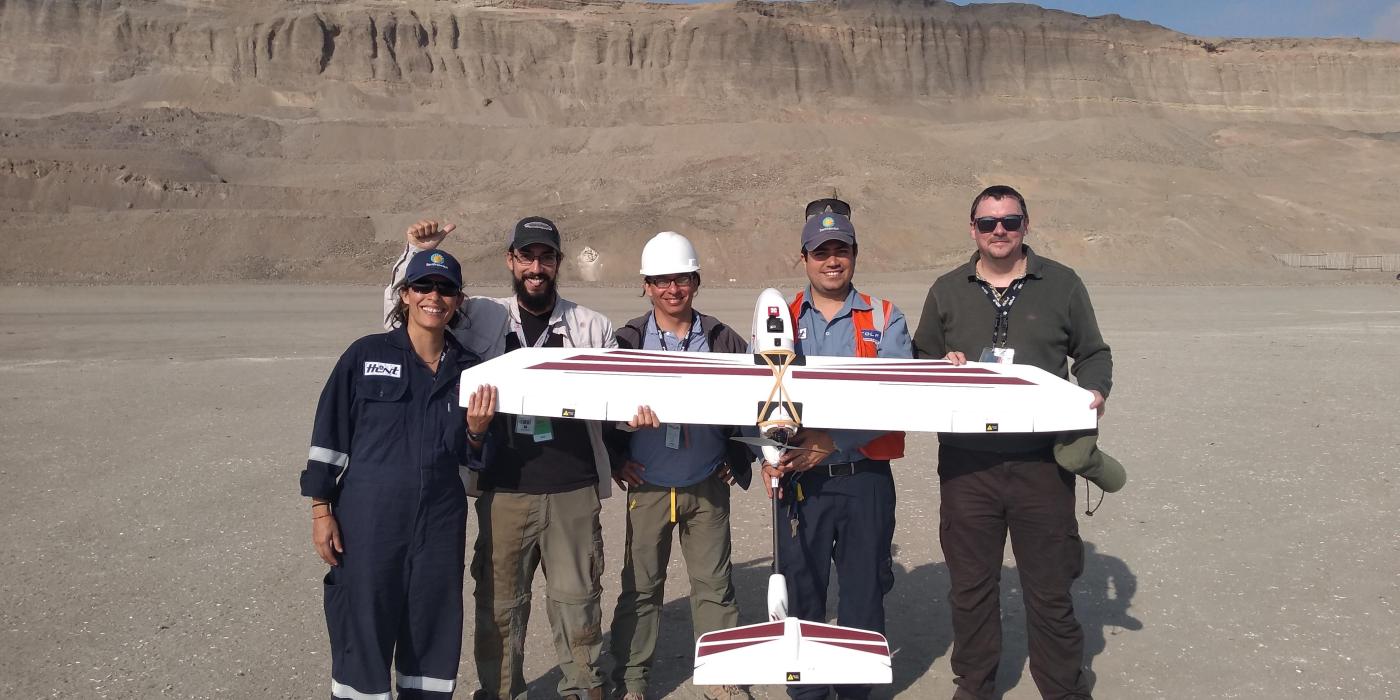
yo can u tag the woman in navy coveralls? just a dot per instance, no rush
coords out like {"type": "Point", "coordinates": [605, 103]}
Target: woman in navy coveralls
{"type": "Point", "coordinates": [388, 508]}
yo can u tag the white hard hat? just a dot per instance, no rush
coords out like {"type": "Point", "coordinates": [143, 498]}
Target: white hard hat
{"type": "Point", "coordinates": [669, 253]}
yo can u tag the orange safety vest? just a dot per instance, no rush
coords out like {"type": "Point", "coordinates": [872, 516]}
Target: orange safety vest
{"type": "Point", "coordinates": [867, 321]}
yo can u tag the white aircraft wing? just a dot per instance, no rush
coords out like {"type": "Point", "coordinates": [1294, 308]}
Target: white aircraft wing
{"type": "Point", "coordinates": [832, 392]}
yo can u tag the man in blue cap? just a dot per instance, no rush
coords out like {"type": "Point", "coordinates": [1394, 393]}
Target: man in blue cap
{"type": "Point", "coordinates": [838, 495]}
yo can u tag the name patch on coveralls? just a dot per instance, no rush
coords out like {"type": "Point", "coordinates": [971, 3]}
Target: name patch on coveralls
{"type": "Point", "coordinates": [382, 369]}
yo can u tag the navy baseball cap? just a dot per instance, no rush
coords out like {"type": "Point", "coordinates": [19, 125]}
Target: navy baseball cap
{"type": "Point", "coordinates": [430, 263]}
{"type": "Point", "coordinates": [827, 227]}
{"type": "Point", "coordinates": [535, 229]}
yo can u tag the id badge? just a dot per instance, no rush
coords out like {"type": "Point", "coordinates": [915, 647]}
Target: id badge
{"type": "Point", "coordinates": [673, 436]}
{"type": "Point", "coordinates": [525, 425]}
{"type": "Point", "coordinates": [544, 430]}
{"type": "Point", "coordinates": [1001, 356]}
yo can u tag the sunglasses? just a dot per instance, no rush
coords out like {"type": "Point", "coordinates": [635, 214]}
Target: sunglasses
{"type": "Point", "coordinates": [830, 204]}
{"type": "Point", "coordinates": [987, 224]}
{"type": "Point", "coordinates": [443, 287]}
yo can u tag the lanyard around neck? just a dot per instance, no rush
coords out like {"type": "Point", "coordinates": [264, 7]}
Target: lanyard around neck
{"type": "Point", "coordinates": [685, 343]}
{"type": "Point", "coordinates": [1002, 301]}
{"type": "Point", "coordinates": [519, 329]}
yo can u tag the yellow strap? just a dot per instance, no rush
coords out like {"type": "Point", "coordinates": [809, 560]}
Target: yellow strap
{"type": "Point", "coordinates": [673, 505]}
{"type": "Point", "coordinates": [800, 497]}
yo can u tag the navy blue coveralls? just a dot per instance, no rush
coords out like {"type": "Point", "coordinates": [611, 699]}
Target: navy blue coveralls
{"type": "Point", "coordinates": [385, 450]}
{"type": "Point", "coordinates": [844, 507]}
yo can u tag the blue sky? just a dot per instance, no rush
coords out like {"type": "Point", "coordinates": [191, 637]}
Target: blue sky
{"type": "Point", "coordinates": [1368, 19]}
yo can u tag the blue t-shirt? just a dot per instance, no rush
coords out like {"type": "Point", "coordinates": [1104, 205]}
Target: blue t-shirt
{"type": "Point", "coordinates": [701, 447]}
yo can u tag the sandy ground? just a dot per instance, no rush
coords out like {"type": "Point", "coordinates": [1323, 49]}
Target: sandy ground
{"type": "Point", "coordinates": [155, 545]}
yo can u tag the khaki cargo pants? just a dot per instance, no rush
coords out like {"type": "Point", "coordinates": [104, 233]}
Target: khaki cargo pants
{"type": "Point", "coordinates": [519, 532]}
{"type": "Point", "coordinates": [700, 513]}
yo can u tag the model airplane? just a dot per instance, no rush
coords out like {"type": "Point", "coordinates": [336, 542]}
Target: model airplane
{"type": "Point", "coordinates": [780, 392]}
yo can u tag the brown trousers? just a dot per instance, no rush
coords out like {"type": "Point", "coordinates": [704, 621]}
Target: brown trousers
{"type": "Point", "coordinates": [985, 495]}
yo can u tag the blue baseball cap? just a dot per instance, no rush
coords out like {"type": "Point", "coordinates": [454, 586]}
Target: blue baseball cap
{"type": "Point", "coordinates": [430, 263]}
{"type": "Point", "coordinates": [829, 226]}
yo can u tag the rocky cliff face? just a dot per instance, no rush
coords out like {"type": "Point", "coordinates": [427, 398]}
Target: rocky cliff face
{"type": "Point", "coordinates": [295, 139]}
{"type": "Point", "coordinates": [561, 60]}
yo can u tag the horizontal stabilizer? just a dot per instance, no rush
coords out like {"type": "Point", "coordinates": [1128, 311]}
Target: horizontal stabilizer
{"type": "Point", "coordinates": [792, 652]}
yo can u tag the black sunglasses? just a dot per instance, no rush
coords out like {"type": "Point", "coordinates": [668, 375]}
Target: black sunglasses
{"type": "Point", "coordinates": [829, 204]}
{"type": "Point", "coordinates": [443, 287]}
{"type": "Point", "coordinates": [987, 224]}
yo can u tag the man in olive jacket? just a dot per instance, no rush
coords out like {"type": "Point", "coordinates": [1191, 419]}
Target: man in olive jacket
{"type": "Point", "coordinates": [1009, 305]}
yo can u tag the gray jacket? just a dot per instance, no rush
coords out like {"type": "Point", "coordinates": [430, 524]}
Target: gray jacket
{"type": "Point", "coordinates": [481, 326]}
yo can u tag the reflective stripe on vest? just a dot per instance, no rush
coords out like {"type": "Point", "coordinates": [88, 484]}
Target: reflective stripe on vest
{"type": "Point", "coordinates": [889, 445]}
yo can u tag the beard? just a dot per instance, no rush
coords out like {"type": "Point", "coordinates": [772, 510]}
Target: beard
{"type": "Point", "coordinates": [539, 301]}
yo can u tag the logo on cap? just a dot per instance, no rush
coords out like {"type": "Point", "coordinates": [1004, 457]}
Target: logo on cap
{"type": "Point", "coordinates": [539, 225]}
{"type": "Point", "coordinates": [828, 222]}
{"type": "Point", "coordinates": [435, 258]}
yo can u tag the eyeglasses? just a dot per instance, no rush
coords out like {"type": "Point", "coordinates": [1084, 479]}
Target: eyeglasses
{"type": "Point", "coordinates": [544, 259]}
{"type": "Point", "coordinates": [987, 224]}
{"type": "Point", "coordinates": [679, 281]}
{"type": "Point", "coordinates": [443, 287]}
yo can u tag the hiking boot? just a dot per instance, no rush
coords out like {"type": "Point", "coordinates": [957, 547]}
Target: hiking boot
{"type": "Point", "coordinates": [727, 692]}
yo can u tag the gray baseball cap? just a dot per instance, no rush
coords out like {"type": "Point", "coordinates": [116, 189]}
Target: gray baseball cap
{"type": "Point", "coordinates": [827, 227]}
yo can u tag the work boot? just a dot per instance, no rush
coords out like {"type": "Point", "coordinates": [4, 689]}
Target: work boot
{"type": "Point", "coordinates": [727, 692]}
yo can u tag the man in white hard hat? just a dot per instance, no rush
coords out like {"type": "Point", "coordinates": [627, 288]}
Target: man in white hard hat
{"type": "Point", "coordinates": [675, 475]}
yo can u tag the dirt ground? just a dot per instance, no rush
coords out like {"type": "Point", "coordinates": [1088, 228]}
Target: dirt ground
{"type": "Point", "coordinates": [155, 544]}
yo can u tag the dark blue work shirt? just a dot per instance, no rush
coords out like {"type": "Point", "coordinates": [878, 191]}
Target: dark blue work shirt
{"type": "Point", "coordinates": [385, 419]}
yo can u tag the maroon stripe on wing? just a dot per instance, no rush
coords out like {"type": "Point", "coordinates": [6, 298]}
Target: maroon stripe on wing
{"type": "Point", "coordinates": [828, 633]}
{"type": "Point", "coordinates": [769, 629]}
{"type": "Point", "coordinates": [903, 377]}
{"type": "Point", "coordinates": [919, 369]}
{"type": "Point", "coordinates": [643, 368]}
{"type": "Point", "coordinates": [880, 649]}
{"type": "Point", "coordinates": [729, 646]}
